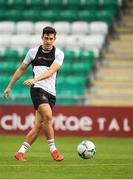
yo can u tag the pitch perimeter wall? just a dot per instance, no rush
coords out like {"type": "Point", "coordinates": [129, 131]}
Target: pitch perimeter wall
{"type": "Point", "coordinates": [71, 121]}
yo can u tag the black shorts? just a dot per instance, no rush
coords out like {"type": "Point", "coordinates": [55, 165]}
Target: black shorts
{"type": "Point", "coordinates": [40, 96]}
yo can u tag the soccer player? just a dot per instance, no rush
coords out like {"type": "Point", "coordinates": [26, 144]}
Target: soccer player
{"type": "Point", "coordinates": [46, 61]}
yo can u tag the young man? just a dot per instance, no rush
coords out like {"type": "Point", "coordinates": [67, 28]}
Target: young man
{"type": "Point", "coordinates": [46, 61]}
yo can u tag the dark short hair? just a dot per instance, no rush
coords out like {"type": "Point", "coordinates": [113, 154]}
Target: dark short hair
{"type": "Point", "coordinates": [49, 30]}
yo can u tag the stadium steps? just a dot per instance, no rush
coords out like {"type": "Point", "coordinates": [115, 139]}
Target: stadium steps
{"type": "Point", "coordinates": [119, 56]}
{"type": "Point", "coordinates": [120, 63]}
{"type": "Point", "coordinates": [125, 30]}
{"type": "Point", "coordinates": [126, 37]}
{"type": "Point", "coordinates": [112, 85]}
{"type": "Point", "coordinates": [111, 102]}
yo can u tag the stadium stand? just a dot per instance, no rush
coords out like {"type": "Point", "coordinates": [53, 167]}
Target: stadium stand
{"type": "Point", "coordinates": [113, 84]}
{"type": "Point", "coordinates": [84, 28]}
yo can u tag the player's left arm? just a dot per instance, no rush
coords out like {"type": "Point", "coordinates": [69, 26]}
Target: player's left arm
{"type": "Point", "coordinates": [53, 68]}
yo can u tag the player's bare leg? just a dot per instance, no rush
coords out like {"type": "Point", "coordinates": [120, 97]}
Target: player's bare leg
{"type": "Point", "coordinates": [33, 134]}
{"type": "Point", "coordinates": [30, 137]}
{"type": "Point", "coordinates": [46, 114]}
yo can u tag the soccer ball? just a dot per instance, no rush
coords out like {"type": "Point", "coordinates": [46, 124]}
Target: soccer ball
{"type": "Point", "coordinates": [86, 149]}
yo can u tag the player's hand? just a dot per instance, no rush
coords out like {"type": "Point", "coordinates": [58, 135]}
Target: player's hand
{"type": "Point", "coordinates": [6, 93]}
{"type": "Point", "coordinates": [29, 82]}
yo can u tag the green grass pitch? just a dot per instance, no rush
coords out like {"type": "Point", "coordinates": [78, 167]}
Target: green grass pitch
{"type": "Point", "coordinates": [113, 159]}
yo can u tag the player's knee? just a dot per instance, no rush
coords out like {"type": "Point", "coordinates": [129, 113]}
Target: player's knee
{"type": "Point", "coordinates": [48, 118]}
{"type": "Point", "coordinates": [38, 126]}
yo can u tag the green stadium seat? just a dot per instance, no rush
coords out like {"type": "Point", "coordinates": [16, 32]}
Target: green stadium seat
{"type": "Point", "coordinates": [70, 55]}
{"type": "Point", "coordinates": [68, 101]}
{"type": "Point", "coordinates": [66, 68]}
{"type": "Point", "coordinates": [4, 67]}
{"type": "Point", "coordinates": [2, 15]}
{"type": "Point", "coordinates": [73, 4]}
{"type": "Point", "coordinates": [60, 79]}
{"type": "Point", "coordinates": [11, 55]}
{"type": "Point", "coordinates": [31, 15]}
{"type": "Point", "coordinates": [68, 15]}
{"type": "Point", "coordinates": [86, 15]}
{"type": "Point", "coordinates": [48, 15]}
{"type": "Point", "coordinates": [16, 90]}
{"type": "Point", "coordinates": [54, 5]}
{"type": "Point", "coordinates": [37, 5]}
{"type": "Point", "coordinates": [4, 4]}
{"type": "Point", "coordinates": [19, 4]}
{"type": "Point", "coordinates": [23, 53]}
{"type": "Point", "coordinates": [110, 4]}
{"type": "Point", "coordinates": [70, 82]}
{"type": "Point", "coordinates": [4, 78]}
{"type": "Point", "coordinates": [82, 68]}
{"type": "Point", "coordinates": [91, 4]}
{"type": "Point", "coordinates": [86, 55]}
{"type": "Point", "coordinates": [28, 74]}
{"type": "Point", "coordinates": [9, 66]}
{"type": "Point", "coordinates": [70, 95]}
{"type": "Point", "coordinates": [75, 82]}
{"type": "Point", "coordinates": [13, 15]}
{"type": "Point", "coordinates": [106, 16]}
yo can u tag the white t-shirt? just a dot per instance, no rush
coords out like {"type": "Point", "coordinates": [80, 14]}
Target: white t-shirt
{"type": "Point", "coordinates": [49, 83]}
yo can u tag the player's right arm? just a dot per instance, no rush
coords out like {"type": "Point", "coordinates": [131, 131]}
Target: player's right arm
{"type": "Point", "coordinates": [18, 73]}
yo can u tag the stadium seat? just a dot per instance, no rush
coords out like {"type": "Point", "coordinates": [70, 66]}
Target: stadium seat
{"type": "Point", "coordinates": [10, 55]}
{"type": "Point", "coordinates": [91, 4]}
{"type": "Point", "coordinates": [24, 91]}
{"type": "Point", "coordinates": [4, 79]}
{"type": "Point", "coordinates": [22, 53]}
{"type": "Point", "coordinates": [24, 27]}
{"type": "Point", "coordinates": [9, 66]}
{"type": "Point", "coordinates": [34, 40]}
{"type": "Point", "coordinates": [19, 4]}
{"type": "Point", "coordinates": [70, 55]}
{"type": "Point", "coordinates": [94, 41]}
{"type": "Point", "coordinates": [5, 40]}
{"type": "Point", "coordinates": [39, 25]}
{"type": "Point", "coordinates": [67, 100]}
{"type": "Point", "coordinates": [85, 55]}
{"type": "Point", "coordinates": [99, 28]}
{"type": "Point", "coordinates": [76, 83]}
{"type": "Point", "coordinates": [80, 27]}
{"type": "Point", "coordinates": [37, 5]}
{"type": "Point", "coordinates": [60, 79]}
{"type": "Point", "coordinates": [67, 15]}
{"type": "Point", "coordinates": [111, 4]}
{"type": "Point", "coordinates": [66, 69]}
{"type": "Point", "coordinates": [61, 41]}
{"type": "Point", "coordinates": [62, 27]}
{"type": "Point", "coordinates": [73, 4]}
{"type": "Point", "coordinates": [48, 15]}
{"type": "Point", "coordinates": [105, 16]}
{"type": "Point", "coordinates": [4, 5]}
{"type": "Point", "coordinates": [31, 15]}
{"type": "Point", "coordinates": [72, 94]}
{"type": "Point", "coordinates": [2, 15]}
{"type": "Point", "coordinates": [19, 41]}
{"type": "Point", "coordinates": [13, 15]}
{"type": "Point", "coordinates": [54, 5]}
{"type": "Point", "coordinates": [75, 42]}
{"type": "Point", "coordinates": [82, 68]}
{"type": "Point", "coordinates": [87, 16]}
{"type": "Point", "coordinates": [7, 27]}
